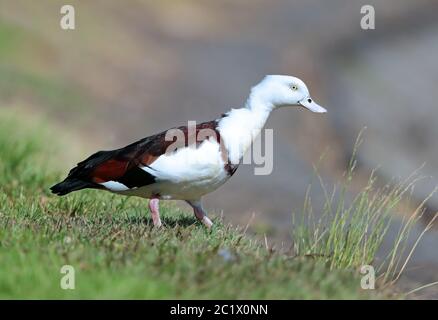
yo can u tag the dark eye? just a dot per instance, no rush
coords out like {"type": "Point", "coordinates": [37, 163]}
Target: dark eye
{"type": "Point", "coordinates": [309, 100]}
{"type": "Point", "coordinates": [294, 88]}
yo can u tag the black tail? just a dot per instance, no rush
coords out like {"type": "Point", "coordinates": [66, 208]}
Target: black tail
{"type": "Point", "coordinates": [70, 185]}
{"type": "Point", "coordinates": [79, 177]}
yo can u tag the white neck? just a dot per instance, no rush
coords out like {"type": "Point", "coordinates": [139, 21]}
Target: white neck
{"type": "Point", "coordinates": [241, 126]}
{"type": "Point", "coordinates": [259, 108]}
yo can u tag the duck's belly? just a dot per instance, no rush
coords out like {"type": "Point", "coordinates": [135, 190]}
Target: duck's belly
{"type": "Point", "coordinates": [184, 190]}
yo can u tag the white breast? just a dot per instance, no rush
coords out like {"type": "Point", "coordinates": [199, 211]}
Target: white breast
{"type": "Point", "coordinates": [239, 129]}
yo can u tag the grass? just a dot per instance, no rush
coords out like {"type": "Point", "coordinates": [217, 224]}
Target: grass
{"type": "Point", "coordinates": [117, 254]}
{"type": "Point", "coordinates": [349, 232]}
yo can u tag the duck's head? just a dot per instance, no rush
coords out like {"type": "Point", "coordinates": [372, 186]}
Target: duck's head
{"type": "Point", "coordinates": [280, 91]}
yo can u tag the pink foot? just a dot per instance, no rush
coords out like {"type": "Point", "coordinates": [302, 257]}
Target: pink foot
{"type": "Point", "coordinates": [155, 212]}
{"type": "Point", "coordinates": [207, 222]}
{"type": "Point", "coordinates": [200, 213]}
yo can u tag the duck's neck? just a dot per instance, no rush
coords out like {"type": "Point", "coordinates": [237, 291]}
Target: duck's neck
{"type": "Point", "coordinates": [239, 129]}
{"type": "Point", "coordinates": [260, 110]}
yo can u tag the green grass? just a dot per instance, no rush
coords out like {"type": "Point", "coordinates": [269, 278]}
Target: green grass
{"type": "Point", "coordinates": [351, 228]}
{"type": "Point", "coordinates": [349, 232]}
{"type": "Point", "coordinates": [116, 253]}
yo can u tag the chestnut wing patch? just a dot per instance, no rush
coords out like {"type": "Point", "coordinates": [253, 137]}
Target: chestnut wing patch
{"type": "Point", "coordinates": [124, 172]}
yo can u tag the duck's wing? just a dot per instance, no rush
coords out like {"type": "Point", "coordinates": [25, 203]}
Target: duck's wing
{"type": "Point", "coordinates": [124, 168]}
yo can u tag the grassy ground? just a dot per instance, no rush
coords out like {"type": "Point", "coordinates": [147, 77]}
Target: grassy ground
{"type": "Point", "coordinates": [115, 251]}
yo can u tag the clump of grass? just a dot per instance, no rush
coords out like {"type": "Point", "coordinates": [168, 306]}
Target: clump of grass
{"type": "Point", "coordinates": [351, 229]}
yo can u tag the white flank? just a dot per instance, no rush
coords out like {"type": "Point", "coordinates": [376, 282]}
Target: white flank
{"type": "Point", "coordinates": [114, 186]}
{"type": "Point", "coordinates": [189, 164]}
{"type": "Point", "coordinates": [188, 173]}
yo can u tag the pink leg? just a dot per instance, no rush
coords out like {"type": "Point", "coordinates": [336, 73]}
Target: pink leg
{"type": "Point", "coordinates": [155, 212]}
{"type": "Point", "coordinates": [200, 213]}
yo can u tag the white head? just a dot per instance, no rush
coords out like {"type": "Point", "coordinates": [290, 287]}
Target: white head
{"type": "Point", "coordinates": [279, 91]}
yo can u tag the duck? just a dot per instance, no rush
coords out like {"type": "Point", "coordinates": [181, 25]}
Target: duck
{"type": "Point", "coordinates": [190, 161]}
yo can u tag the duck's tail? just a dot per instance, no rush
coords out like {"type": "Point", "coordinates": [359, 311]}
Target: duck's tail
{"type": "Point", "coordinates": [70, 185]}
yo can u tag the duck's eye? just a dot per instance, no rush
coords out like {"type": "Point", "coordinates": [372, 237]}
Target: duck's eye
{"type": "Point", "coordinates": [309, 100]}
{"type": "Point", "coordinates": [294, 88]}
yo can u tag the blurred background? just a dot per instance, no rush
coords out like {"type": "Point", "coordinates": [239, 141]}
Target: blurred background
{"type": "Point", "coordinates": [134, 68]}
